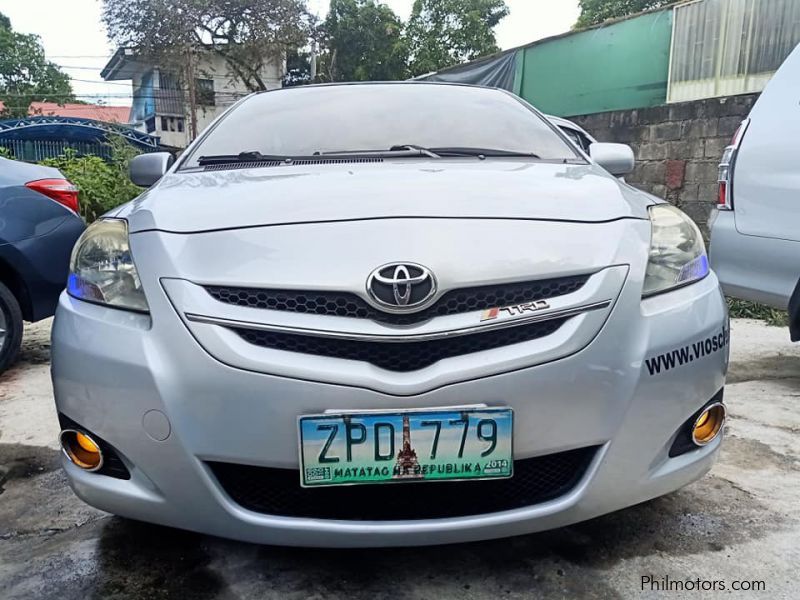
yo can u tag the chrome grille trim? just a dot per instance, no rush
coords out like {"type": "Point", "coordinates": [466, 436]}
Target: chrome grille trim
{"type": "Point", "coordinates": [401, 337]}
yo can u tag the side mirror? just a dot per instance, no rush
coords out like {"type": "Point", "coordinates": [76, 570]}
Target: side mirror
{"type": "Point", "coordinates": [617, 159]}
{"type": "Point", "coordinates": [147, 169]}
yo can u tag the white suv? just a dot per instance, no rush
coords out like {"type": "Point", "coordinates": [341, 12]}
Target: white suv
{"type": "Point", "coordinates": [755, 238]}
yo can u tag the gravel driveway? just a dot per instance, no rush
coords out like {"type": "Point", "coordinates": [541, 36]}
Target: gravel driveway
{"type": "Point", "coordinates": [739, 523]}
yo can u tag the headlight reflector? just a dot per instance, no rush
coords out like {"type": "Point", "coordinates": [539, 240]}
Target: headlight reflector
{"type": "Point", "coordinates": [101, 268]}
{"type": "Point", "coordinates": [677, 251]}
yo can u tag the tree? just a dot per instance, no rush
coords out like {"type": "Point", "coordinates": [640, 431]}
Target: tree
{"type": "Point", "coordinates": [597, 11]}
{"type": "Point", "coordinates": [102, 184]}
{"type": "Point", "coordinates": [247, 34]}
{"type": "Point", "coordinates": [25, 74]}
{"type": "Point", "coordinates": [364, 42]}
{"type": "Point", "coordinates": [442, 33]}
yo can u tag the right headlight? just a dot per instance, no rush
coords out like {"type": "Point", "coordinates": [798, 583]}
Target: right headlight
{"type": "Point", "coordinates": [101, 269]}
{"type": "Point", "coordinates": [677, 251]}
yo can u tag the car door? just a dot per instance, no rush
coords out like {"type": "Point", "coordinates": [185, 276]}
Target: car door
{"type": "Point", "coordinates": [766, 179]}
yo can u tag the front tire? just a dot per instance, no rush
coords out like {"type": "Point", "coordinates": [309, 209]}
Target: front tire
{"type": "Point", "coordinates": [10, 328]}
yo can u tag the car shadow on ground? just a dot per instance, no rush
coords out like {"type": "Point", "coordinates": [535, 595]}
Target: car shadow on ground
{"type": "Point", "coordinates": [181, 564]}
{"type": "Point", "coordinates": [53, 546]}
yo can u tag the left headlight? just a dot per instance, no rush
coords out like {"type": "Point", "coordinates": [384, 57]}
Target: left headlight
{"type": "Point", "coordinates": [101, 268]}
{"type": "Point", "coordinates": [677, 251]}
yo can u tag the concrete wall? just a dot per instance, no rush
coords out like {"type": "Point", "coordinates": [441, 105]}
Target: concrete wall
{"type": "Point", "coordinates": [678, 147]}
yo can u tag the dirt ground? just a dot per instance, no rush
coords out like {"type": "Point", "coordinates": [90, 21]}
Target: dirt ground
{"type": "Point", "coordinates": [740, 523]}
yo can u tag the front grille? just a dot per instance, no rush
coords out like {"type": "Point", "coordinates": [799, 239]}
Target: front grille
{"type": "Point", "coordinates": [344, 304]}
{"type": "Point", "coordinates": [278, 492]}
{"type": "Point", "coordinates": [400, 356]}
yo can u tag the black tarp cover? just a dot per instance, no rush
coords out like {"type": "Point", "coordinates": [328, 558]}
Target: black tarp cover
{"type": "Point", "coordinates": [495, 71]}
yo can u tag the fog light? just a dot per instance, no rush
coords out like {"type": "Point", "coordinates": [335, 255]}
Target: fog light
{"type": "Point", "coordinates": [81, 450]}
{"type": "Point", "coordinates": [708, 424]}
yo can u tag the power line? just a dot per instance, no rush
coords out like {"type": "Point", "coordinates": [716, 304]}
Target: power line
{"type": "Point", "coordinates": [154, 87]}
{"type": "Point", "coordinates": [59, 113]}
{"type": "Point", "coordinates": [205, 76]}
{"type": "Point", "coordinates": [138, 94]}
{"type": "Point", "coordinates": [106, 56]}
{"type": "Point", "coordinates": [84, 68]}
{"type": "Point", "coordinates": [65, 96]}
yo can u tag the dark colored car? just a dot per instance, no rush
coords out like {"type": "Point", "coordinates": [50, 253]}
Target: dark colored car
{"type": "Point", "coordinates": [39, 224]}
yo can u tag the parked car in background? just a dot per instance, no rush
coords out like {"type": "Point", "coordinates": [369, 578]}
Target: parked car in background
{"type": "Point", "coordinates": [39, 225]}
{"type": "Point", "coordinates": [755, 232]}
{"type": "Point", "coordinates": [576, 134]}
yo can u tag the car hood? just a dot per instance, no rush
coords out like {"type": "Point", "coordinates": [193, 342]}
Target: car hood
{"type": "Point", "coordinates": [463, 188]}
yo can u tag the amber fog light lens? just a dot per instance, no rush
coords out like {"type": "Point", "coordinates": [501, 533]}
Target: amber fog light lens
{"type": "Point", "coordinates": [708, 425]}
{"type": "Point", "coordinates": [81, 450]}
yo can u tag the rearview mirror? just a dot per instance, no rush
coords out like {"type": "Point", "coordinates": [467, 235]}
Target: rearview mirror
{"type": "Point", "coordinates": [147, 169]}
{"type": "Point", "coordinates": [617, 159]}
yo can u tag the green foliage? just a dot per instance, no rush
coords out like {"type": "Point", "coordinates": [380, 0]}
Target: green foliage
{"type": "Point", "coordinates": [5, 152]}
{"type": "Point", "coordinates": [597, 11]}
{"type": "Point", "coordinates": [442, 33]}
{"type": "Point", "coordinates": [103, 185]}
{"type": "Point", "coordinates": [742, 309]}
{"type": "Point", "coordinates": [364, 42]}
{"type": "Point", "coordinates": [25, 74]}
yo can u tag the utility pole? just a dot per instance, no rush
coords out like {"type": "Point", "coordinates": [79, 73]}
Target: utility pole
{"type": "Point", "coordinates": [191, 86]}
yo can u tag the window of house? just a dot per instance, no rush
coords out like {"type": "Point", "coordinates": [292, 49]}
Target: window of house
{"type": "Point", "coordinates": [168, 81]}
{"type": "Point", "coordinates": [164, 124]}
{"type": "Point", "coordinates": [180, 125]}
{"type": "Point", "coordinates": [205, 91]}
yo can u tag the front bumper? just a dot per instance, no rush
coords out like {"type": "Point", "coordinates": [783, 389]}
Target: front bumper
{"type": "Point", "coordinates": [170, 409]}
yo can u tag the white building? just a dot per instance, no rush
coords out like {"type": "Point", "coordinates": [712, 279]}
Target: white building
{"type": "Point", "coordinates": [160, 102]}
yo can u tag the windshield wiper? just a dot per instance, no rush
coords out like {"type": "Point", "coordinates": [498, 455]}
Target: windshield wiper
{"type": "Point", "coordinates": [481, 152]}
{"type": "Point", "coordinates": [242, 157]}
{"type": "Point", "coordinates": [416, 150]}
{"type": "Point", "coordinates": [422, 150]}
{"type": "Point", "coordinates": [403, 150]}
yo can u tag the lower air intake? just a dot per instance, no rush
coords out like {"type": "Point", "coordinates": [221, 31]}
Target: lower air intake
{"type": "Point", "coordinates": [278, 492]}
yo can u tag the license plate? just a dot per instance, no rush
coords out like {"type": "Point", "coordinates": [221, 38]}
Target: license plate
{"type": "Point", "coordinates": [435, 445]}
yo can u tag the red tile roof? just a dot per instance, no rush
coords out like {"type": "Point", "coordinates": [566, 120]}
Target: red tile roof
{"type": "Point", "coordinates": [110, 114]}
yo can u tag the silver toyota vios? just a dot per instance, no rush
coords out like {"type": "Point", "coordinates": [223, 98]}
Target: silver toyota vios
{"type": "Point", "coordinates": [384, 315]}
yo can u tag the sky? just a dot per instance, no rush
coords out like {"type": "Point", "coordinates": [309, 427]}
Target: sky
{"type": "Point", "coordinates": [73, 35]}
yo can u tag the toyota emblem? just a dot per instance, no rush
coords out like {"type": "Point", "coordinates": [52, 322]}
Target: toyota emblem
{"type": "Point", "coordinates": [401, 287]}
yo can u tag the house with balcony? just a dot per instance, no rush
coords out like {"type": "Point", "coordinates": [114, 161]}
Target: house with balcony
{"type": "Point", "coordinates": [161, 105]}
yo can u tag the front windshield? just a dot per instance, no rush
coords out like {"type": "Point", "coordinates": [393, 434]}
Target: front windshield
{"type": "Point", "coordinates": [306, 121]}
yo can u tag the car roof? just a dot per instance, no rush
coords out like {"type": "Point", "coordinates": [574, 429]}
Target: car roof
{"type": "Point", "coordinates": [383, 84]}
